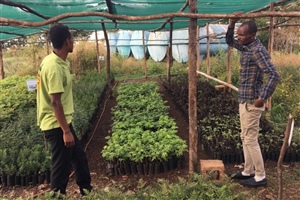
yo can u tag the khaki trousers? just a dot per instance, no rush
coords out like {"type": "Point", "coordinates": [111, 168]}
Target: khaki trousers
{"type": "Point", "coordinates": [249, 119]}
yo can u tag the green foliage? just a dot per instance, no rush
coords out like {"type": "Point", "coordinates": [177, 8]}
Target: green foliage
{"type": "Point", "coordinates": [14, 98]}
{"type": "Point", "coordinates": [23, 61]}
{"type": "Point", "coordinates": [285, 100]}
{"type": "Point", "coordinates": [18, 128]}
{"type": "Point", "coordinates": [286, 97]}
{"type": "Point", "coordinates": [193, 188]}
{"type": "Point", "coordinates": [218, 67]}
{"type": "Point", "coordinates": [22, 132]}
{"type": "Point", "coordinates": [142, 129]}
{"type": "Point", "coordinates": [3, 160]}
{"type": "Point", "coordinates": [87, 91]}
{"type": "Point", "coordinates": [263, 35]}
{"type": "Point", "coordinates": [84, 57]}
{"type": "Point", "coordinates": [24, 167]}
{"type": "Point", "coordinates": [218, 119]}
{"type": "Point", "coordinates": [221, 133]}
{"type": "Point", "coordinates": [10, 166]}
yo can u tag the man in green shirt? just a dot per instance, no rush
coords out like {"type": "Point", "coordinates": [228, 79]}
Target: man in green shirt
{"type": "Point", "coordinates": [54, 114]}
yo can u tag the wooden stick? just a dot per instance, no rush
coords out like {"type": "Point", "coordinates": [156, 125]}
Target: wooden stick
{"type": "Point", "coordinates": [170, 53]}
{"type": "Point", "coordinates": [145, 59]}
{"type": "Point", "coordinates": [97, 48]}
{"type": "Point", "coordinates": [2, 75]}
{"type": "Point", "coordinates": [281, 156]}
{"type": "Point", "coordinates": [208, 49]}
{"type": "Point", "coordinates": [217, 80]}
{"type": "Point", "coordinates": [107, 55]}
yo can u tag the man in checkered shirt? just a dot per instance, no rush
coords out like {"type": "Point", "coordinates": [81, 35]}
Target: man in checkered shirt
{"type": "Point", "coordinates": [252, 96]}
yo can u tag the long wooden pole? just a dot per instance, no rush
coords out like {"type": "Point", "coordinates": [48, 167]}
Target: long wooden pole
{"type": "Point", "coordinates": [270, 49]}
{"type": "Point", "coordinates": [281, 156]}
{"type": "Point", "coordinates": [170, 53]}
{"type": "Point", "coordinates": [198, 49]}
{"type": "Point", "coordinates": [217, 80]}
{"type": "Point", "coordinates": [271, 31]}
{"type": "Point", "coordinates": [145, 59]}
{"type": "Point", "coordinates": [207, 49]}
{"type": "Point", "coordinates": [57, 18]}
{"type": "Point", "coordinates": [193, 134]}
{"type": "Point", "coordinates": [229, 66]}
{"type": "Point", "coordinates": [97, 48]}
{"type": "Point", "coordinates": [107, 55]}
{"type": "Point", "coordinates": [2, 74]}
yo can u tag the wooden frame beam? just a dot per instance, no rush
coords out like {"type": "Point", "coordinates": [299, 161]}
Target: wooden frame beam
{"type": "Point", "coordinates": [13, 22]}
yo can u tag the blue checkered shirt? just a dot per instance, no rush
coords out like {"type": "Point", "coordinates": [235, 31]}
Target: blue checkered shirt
{"type": "Point", "coordinates": [255, 62]}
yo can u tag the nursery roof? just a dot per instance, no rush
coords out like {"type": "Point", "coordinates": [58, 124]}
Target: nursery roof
{"type": "Point", "coordinates": [40, 10]}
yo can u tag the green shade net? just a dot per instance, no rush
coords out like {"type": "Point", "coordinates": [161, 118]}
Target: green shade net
{"type": "Point", "coordinates": [52, 8]}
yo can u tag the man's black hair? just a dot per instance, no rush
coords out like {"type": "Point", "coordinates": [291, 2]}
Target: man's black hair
{"type": "Point", "coordinates": [252, 28]}
{"type": "Point", "coordinates": [58, 35]}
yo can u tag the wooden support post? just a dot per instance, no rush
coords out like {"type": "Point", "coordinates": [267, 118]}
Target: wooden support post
{"type": "Point", "coordinates": [270, 48]}
{"type": "Point", "coordinates": [98, 55]}
{"type": "Point", "coordinates": [107, 55]}
{"type": "Point", "coordinates": [2, 74]}
{"type": "Point", "coordinates": [193, 134]}
{"type": "Point", "coordinates": [282, 153]}
{"type": "Point", "coordinates": [271, 31]}
{"type": "Point", "coordinates": [198, 49]}
{"type": "Point", "coordinates": [145, 59]}
{"type": "Point", "coordinates": [229, 72]}
{"type": "Point", "coordinates": [229, 66]}
{"type": "Point", "coordinates": [170, 54]}
{"type": "Point", "coordinates": [207, 49]}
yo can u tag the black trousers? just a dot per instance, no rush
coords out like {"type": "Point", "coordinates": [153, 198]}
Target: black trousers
{"type": "Point", "coordinates": [63, 159]}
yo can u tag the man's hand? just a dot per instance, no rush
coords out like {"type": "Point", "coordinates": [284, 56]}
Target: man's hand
{"type": "Point", "coordinates": [259, 102]}
{"type": "Point", "coordinates": [68, 139]}
{"type": "Point", "coordinates": [232, 21]}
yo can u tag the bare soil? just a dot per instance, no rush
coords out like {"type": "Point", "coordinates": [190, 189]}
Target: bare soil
{"type": "Point", "coordinates": [96, 140]}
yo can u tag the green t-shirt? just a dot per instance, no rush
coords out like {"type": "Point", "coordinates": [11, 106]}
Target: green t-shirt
{"type": "Point", "coordinates": [53, 77]}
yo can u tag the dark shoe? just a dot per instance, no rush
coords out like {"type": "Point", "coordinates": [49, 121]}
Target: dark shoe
{"type": "Point", "coordinates": [240, 176]}
{"type": "Point", "coordinates": [85, 191]}
{"type": "Point", "coordinates": [252, 183]}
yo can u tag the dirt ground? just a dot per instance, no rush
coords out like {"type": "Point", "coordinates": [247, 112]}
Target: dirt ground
{"type": "Point", "coordinates": [96, 140]}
